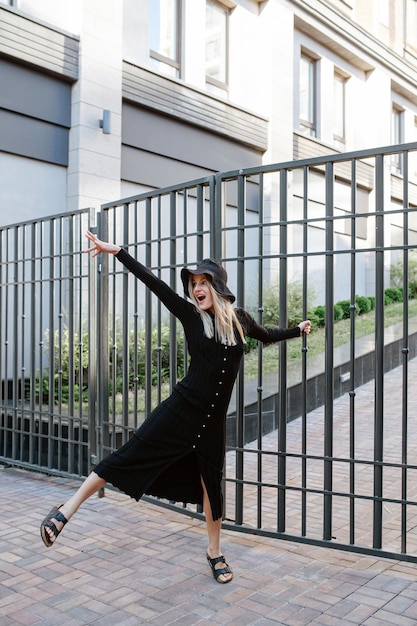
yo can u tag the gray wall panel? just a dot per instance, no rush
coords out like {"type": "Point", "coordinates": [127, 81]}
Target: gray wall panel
{"type": "Point", "coordinates": [35, 94]}
{"type": "Point", "coordinates": [182, 151]}
{"type": "Point", "coordinates": [32, 138]}
{"type": "Point", "coordinates": [182, 102]}
{"type": "Point", "coordinates": [38, 44]}
{"type": "Point", "coordinates": [155, 170]}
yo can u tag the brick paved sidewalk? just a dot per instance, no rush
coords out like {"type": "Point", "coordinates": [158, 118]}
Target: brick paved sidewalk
{"type": "Point", "coordinates": [119, 563]}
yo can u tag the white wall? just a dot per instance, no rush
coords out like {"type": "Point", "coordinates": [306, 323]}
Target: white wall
{"type": "Point", "coordinates": [95, 157]}
{"type": "Point", "coordinates": [30, 189]}
{"type": "Point", "coordinates": [65, 15]}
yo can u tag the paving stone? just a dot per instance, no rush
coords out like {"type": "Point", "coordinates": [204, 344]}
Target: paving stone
{"type": "Point", "coordinates": [122, 563]}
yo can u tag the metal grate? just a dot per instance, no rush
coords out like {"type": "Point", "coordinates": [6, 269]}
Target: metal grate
{"type": "Point", "coordinates": [47, 302]}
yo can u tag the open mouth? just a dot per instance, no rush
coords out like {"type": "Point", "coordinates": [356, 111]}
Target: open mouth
{"type": "Point", "coordinates": [201, 298]}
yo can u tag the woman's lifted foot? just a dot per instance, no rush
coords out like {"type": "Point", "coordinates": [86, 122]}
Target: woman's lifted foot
{"type": "Point", "coordinates": [52, 525]}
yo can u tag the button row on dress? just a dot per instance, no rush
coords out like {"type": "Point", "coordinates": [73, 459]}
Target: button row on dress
{"type": "Point", "coordinates": [220, 382]}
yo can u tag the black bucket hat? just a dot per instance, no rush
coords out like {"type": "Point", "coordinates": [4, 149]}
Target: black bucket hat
{"type": "Point", "coordinates": [216, 274]}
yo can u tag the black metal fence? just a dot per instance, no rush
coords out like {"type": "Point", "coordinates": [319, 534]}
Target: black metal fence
{"type": "Point", "coordinates": [87, 352]}
{"type": "Point", "coordinates": [47, 339]}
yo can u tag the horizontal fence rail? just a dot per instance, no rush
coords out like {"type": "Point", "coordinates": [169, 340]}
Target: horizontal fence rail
{"type": "Point", "coordinates": [317, 450]}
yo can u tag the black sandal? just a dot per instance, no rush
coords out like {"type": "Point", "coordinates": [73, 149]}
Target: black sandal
{"type": "Point", "coordinates": [221, 570]}
{"type": "Point", "coordinates": [55, 514]}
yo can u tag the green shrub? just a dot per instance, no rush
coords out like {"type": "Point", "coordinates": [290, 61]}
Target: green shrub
{"type": "Point", "coordinates": [251, 344]}
{"type": "Point", "coordinates": [394, 293]}
{"type": "Point", "coordinates": [345, 306]}
{"type": "Point", "coordinates": [320, 314]}
{"type": "Point", "coordinates": [316, 321]}
{"type": "Point", "coordinates": [412, 289]}
{"type": "Point", "coordinates": [294, 304]}
{"type": "Point", "coordinates": [363, 304]}
{"type": "Point", "coordinates": [338, 313]}
{"type": "Point", "coordinates": [397, 273]}
{"type": "Point", "coordinates": [62, 346]}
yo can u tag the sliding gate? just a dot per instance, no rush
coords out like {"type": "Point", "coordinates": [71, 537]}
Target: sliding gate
{"type": "Point", "coordinates": [321, 438]}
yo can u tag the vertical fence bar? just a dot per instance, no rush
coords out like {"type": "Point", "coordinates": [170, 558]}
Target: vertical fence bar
{"type": "Point", "coordinates": [68, 258]}
{"type": "Point", "coordinates": [185, 258]}
{"type": "Point", "coordinates": [59, 336]}
{"type": "Point", "coordinates": [216, 217]}
{"type": "Point", "coordinates": [200, 222]}
{"type": "Point", "coordinates": [405, 357]}
{"type": "Point", "coordinates": [43, 423]}
{"type": "Point", "coordinates": [51, 354]}
{"type": "Point", "coordinates": [352, 370]}
{"type": "Point", "coordinates": [15, 344]}
{"type": "Point", "coordinates": [260, 348]}
{"type": "Point", "coordinates": [240, 383]}
{"type": "Point", "coordinates": [3, 366]}
{"type": "Point", "coordinates": [115, 326]}
{"type": "Point", "coordinates": [22, 345]}
{"type": "Point", "coordinates": [92, 350]}
{"type": "Point", "coordinates": [33, 439]}
{"type": "Point", "coordinates": [282, 374]}
{"type": "Point", "coordinates": [135, 301]}
{"type": "Point", "coordinates": [173, 283]}
{"type": "Point", "coordinates": [148, 308]}
{"type": "Point", "coordinates": [125, 334]}
{"type": "Point", "coordinates": [6, 318]}
{"type": "Point", "coordinates": [379, 353]}
{"type": "Point", "coordinates": [329, 347]}
{"type": "Point", "coordinates": [304, 360]}
{"type": "Point", "coordinates": [102, 269]}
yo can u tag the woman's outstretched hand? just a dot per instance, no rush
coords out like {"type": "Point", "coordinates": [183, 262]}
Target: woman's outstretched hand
{"type": "Point", "coordinates": [305, 327]}
{"type": "Point", "coordinates": [100, 246]}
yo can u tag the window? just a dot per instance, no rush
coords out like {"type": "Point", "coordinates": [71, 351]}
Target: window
{"type": "Point", "coordinates": [339, 85]}
{"type": "Point", "coordinates": [382, 8]}
{"type": "Point", "coordinates": [217, 24]}
{"type": "Point", "coordinates": [410, 22]}
{"type": "Point", "coordinates": [413, 155]}
{"type": "Point", "coordinates": [165, 35]}
{"type": "Point", "coordinates": [307, 95]}
{"type": "Point", "coordinates": [397, 136]}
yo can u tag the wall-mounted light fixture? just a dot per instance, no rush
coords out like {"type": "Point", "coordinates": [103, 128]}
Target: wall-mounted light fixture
{"type": "Point", "coordinates": [105, 122]}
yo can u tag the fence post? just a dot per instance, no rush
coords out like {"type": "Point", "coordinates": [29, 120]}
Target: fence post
{"type": "Point", "coordinates": [282, 372]}
{"type": "Point", "coordinates": [329, 346]}
{"type": "Point", "coordinates": [93, 331]}
{"type": "Point", "coordinates": [379, 351]}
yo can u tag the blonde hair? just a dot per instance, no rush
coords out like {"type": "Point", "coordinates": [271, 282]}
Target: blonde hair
{"type": "Point", "coordinates": [225, 319]}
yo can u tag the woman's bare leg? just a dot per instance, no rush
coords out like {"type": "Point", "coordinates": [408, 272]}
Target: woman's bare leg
{"type": "Point", "coordinates": [213, 531]}
{"type": "Point", "coordinates": [90, 485]}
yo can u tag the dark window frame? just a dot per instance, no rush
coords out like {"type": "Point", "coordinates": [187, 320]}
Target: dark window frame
{"type": "Point", "coordinates": [342, 78]}
{"type": "Point", "coordinates": [309, 126]}
{"type": "Point", "coordinates": [397, 137]}
{"type": "Point", "coordinates": [209, 79]}
{"type": "Point", "coordinates": [175, 63]}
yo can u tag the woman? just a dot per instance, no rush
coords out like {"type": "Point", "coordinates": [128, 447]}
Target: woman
{"type": "Point", "coordinates": [178, 452]}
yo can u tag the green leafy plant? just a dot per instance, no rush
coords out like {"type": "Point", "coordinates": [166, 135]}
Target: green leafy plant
{"type": "Point", "coordinates": [397, 274]}
{"type": "Point", "coordinates": [294, 304]}
{"type": "Point", "coordinates": [395, 294]}
{"type": "Point", "coordinates": [64, 349]}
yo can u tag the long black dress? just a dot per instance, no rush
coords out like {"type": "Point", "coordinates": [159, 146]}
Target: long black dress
{"type": "Point", "coordinates": [183, 439]}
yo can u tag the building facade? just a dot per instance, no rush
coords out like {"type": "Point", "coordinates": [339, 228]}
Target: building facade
{"type": "Point", "coordinates": [104, 99]}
